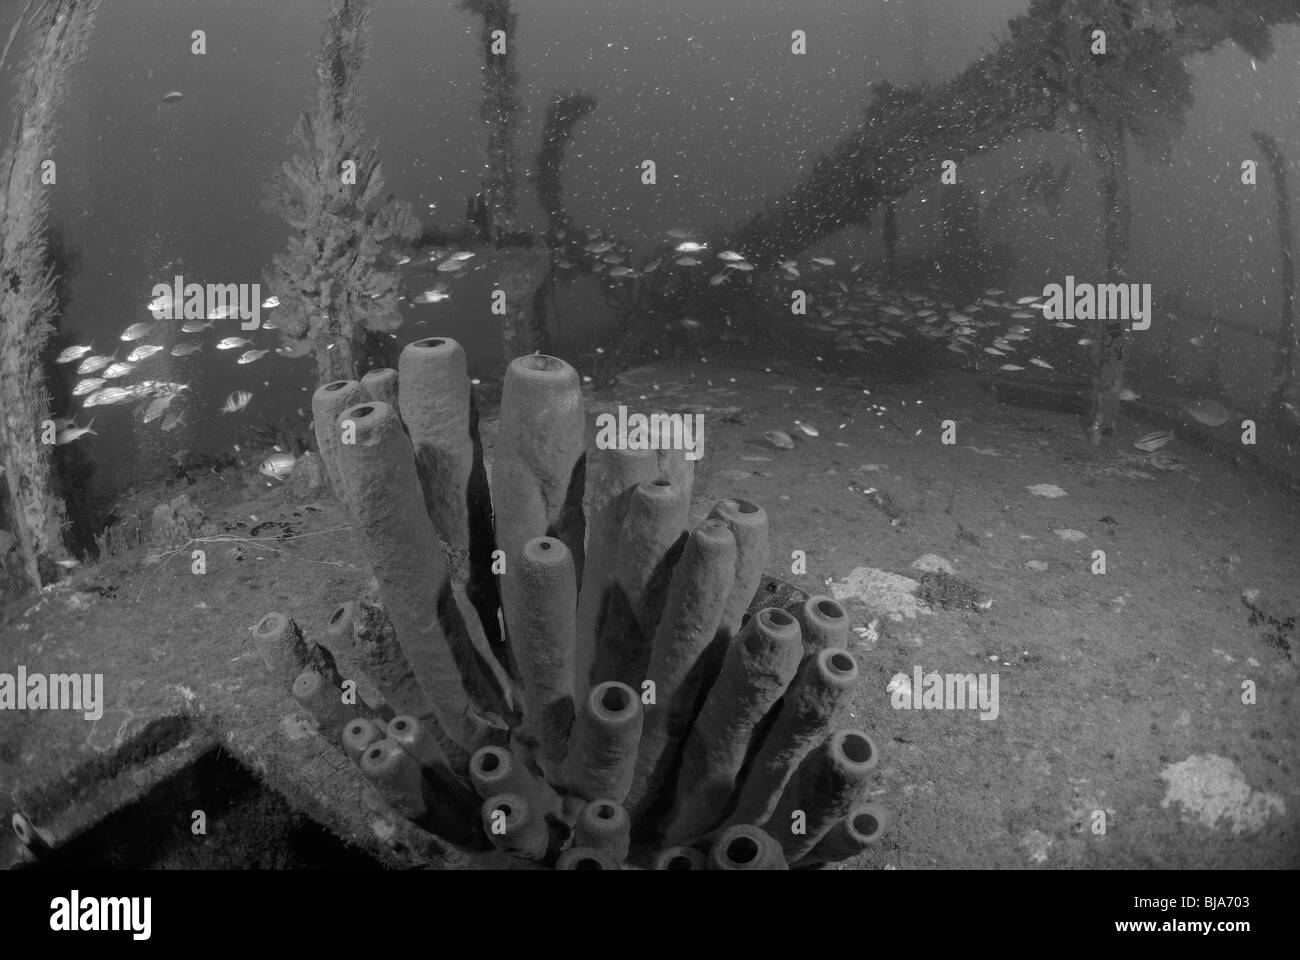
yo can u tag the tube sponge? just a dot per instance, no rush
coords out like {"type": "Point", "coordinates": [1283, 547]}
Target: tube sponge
{"type": "Point", "coordinates": [824, 788]}
{"type": "Point", "coordinates": [824, 624]}
{"type": "Point", "coordinates": [604, 825]}
{"type": "Point", "coordinates": [327, 403]}
{"type": "Point", "coordinates": [611, 477]}
{"type": "Point", "coordinates": [379, 473]}
{"type": "Point", "coordinates": [542, 639]}
{"type": "Point", "coordinates": [746, 847]}
{"type": "Point", "coordinates": [702, 580]}
{"type": "Point", "coordinates": [602, 760]}
{"type": "Point", "coordinates": [862, 827]}
{"type": "Point", "coordinates": [758, 667]}
{"type": "Point", "coordinates": [824, 684]}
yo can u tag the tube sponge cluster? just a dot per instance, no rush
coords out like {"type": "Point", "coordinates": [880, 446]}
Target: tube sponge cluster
{"type": "Point", "coordinates": [573, 675]}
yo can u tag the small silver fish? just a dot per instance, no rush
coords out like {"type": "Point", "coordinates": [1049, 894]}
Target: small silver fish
{"type": "Point", "coordinates": [172, 420]}
{"type": "Point", "coordinates": [185, 349]}
{"type": "Point", "coordinates": [251, 356]}
{"type": "Point", "coordinates": [115, 371]}
{"type": "Point", "coordinates": [461, 255]}
{"type": "Point", "coordinates": [807, 428]}
{"type": "Point", "coordinates": [719, 278]}
{"type": "Point", "coordinates": [88, 386]}
{"type": "Point", "coordinates": [232, 343]}
{"type": "Point", "coordinates": [432, 295]}
{"type": "Point", "coordinates": [73, 353]}
{"type": "Point", "coordinates": [731, 256]}
{"type": "Point", "coordinates": [277, 465]}
{"type": "Point", "coordinates": [994, 351]}
{"type": "Point", "coordinates": [690, 246]}
{"type": "Point", "coordinates": [74, 433]}
{"type": "Point", "coordinates": [94, 364]}
{"type": "Point", "coordinates": [823, 261]}
{"type": "Point", "coordinates": [450, 266]}
{"type": "Point", "coordinates": [622, 271]}
{"type": "Point", "coordinates": [196, 326]}
{"type": "Point", "coordinates": [109, 396]}
{"type": "Point", "coordinates": [236, 401]}
{"type": "Point", "coordinates": [1209, 412]}
{"type": "Point", "coordinates": [136, 331]}
{"type": "Point", "coordinates": [1041, 363]}
{"type": "Point", "coordinates": [1153, 441]}
{"type": "Point", "coordinates": [143, 352]}
{"type": "Point", "coordinates": [686, 262]}
{"type": "Point", "coordinates": [173, 96]}
{"type": "Point", "coordinates": [157, 408]}
{"type": "Point", "coordinates": [779, 439]}
{"type": "Point", "coordinates": [1128, 394]}
{"type": "Point", "coordinates": [1011, 367]}
{"type": "Point", "coordinates": [270, 303]}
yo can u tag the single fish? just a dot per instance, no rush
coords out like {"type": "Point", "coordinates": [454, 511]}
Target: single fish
{"type": "Point", "coordinates": [1024, 300]}
{"type": "Point", "coordinates": [136, 331]}
{"type": "Point", "coordinates": [1085, 341]}
{"type": "Point", "coordinates": [779, 439]}
{"type": "Point", "coordinates": [1011, 367]}
{"type": "Point", "coordinates": [807, 428]}
{"type": "Point", "coordinates": [1209, 412]}
{"type": "Point", "coordinates": [719, 278]}
{"type": "Point", "coordinates": [173, 96]}
{"type": "Point", "coordinates": [236, 401]}
{"type": "Point", "coordinates": [222, 312]}
{"type": "Point", "coordinates": [686, 262]}
{"type": "Point", "coordinates": [450, 266]}
{"type": "Point", "coordinates": [74, 433]}
{"type": "Point", "coordinates": [277, 465]}
{"type": "Point", "coordinates": [185, 349]}
{"type": "Point", "coordinates": [172, 420]}
{"type": "Point", "coordinates": [233, 343]}
{"type": "Point", "coordinates": [88, 386]}
{"type": "Point", "coordinates": [432, 295]}
{"type": "Point", "coordinates": [652, 266]}
{"type": "Point", "coordinates": [1128, 394]}
{"type": "Point", "coordinates": [461, 255]}
{"type": "Point", "coordinates": [994, 351]}
{"type": "Point", "coordinates": [691, 246]}
{"type": "Point", "coordinates": [1197, 341]}
{"type": "Point", "coordinates": [143, 352]}
{"type": "Point", "coordinates": [823, 261]}
{"type": "Point", "coordinates": [196, 326]}
{"type": "Point", "coordinates": [677, 233]}
{"type": "Point", "coordinates": [157, 408]}
{"type": "Point", "coordinates": [621, 271]}
{"type": "Point", "coordinates": [403, 261]}
{"type": "Point", "coordinates": [1153, 441]}
{"type": "Point", "coordinates": [109, 396]}
{"type": "Point", "coordinates": [1041, 363]}
{"type": "Point", "coordinates": [599, 247]}
{"type": "Point", "coordinates": [1063, 325]}
{"type": "Point", "coordinates": [115, 371]}
{"type": "Point", "coordinates": [270, 303]}
{"type": "Point", "coordinates": [160, 303]}
{"type": "Point", "coordinates": [731, 256]}
{"type": "Point", "coordinates": [743, 265]}
{"type": "Point", "coordinates": [92, 364]}
{"type": "Point", "coordinates": [612, 259]}
{"type": "Point", "coordinates": [251, 356]}
{"type": "Point", "coordinates": [993, 292]}
{"type": "Point", "coordinates": [73, 353]}
{"type": "Point", "coordinates": [1022, 315]}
